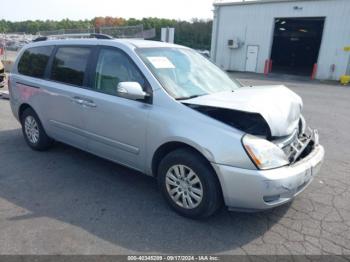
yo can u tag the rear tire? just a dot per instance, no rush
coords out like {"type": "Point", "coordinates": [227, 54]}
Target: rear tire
{"type": "Point", "coordinates": [33, 131]}
{"type": "Point", "coordinates": [189, 184]}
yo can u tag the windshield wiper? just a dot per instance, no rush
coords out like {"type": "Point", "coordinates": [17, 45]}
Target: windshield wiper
{"type": "Point", "coordinates": [187, 97]}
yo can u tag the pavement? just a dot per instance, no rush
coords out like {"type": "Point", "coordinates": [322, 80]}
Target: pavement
{"type": "Point", "coordinates": [4, 94]}
{"type": "Point", "coordinates": [66, 201]}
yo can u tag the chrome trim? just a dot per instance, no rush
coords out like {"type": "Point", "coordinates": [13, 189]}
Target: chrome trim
{"type": "Point", "coordinates": [285, 141]}
{"type": "Point", "coordinates": [299, 145]}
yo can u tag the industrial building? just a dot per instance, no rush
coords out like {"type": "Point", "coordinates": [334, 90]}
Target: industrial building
{"type": "Point", "coordinates": [300, 37]}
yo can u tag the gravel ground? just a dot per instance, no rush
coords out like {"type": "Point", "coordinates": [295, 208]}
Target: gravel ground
{"type": "Point", "coordinates": [66, 201]}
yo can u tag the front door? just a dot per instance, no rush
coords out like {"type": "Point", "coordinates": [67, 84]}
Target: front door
{"type": "Point", "coordinates": [252, 58]}
{"type": "Point", "coordinates": [116, 126]}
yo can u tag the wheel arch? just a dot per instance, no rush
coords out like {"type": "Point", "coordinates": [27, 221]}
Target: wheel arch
{"type": "Point", "coordinates": [22, 108]}
{"type": "Point", "coordinates": [25, 106]}
{"type": "Point", "coordinates": [168, 147]}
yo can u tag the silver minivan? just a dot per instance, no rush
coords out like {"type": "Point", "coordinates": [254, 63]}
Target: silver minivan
{"type": "Point", "coordinates": [168, 112]}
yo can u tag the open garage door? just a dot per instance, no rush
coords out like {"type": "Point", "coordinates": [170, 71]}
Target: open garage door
{"type": "Point", "coordinates": [296, 44]}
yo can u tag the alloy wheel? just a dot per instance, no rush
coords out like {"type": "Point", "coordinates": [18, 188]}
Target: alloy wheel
{"type": "Point", "coordinates": [31, 129]}
{"type": "Point", "coordinates": [184, 186]}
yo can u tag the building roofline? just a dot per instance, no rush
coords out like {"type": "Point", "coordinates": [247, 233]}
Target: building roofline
{"type": "Point", "coordinates": [261, 2]}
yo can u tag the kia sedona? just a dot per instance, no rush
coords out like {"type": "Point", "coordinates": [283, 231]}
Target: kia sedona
{"type": "Point", "coordinates": [168, 112]}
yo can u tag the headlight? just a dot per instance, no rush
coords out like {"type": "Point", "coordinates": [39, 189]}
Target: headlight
{"type": "Point", "coordinates": [263, 153]}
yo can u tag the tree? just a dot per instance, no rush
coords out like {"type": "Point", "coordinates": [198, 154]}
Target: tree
{"type": "Point", "coordinates": [195, 34]}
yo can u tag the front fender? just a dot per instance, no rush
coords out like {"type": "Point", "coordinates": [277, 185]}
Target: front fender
{"type": "Point", "coordinates": [217, 142]}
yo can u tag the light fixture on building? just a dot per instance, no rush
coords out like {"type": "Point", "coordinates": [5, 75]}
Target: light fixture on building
{"type": "Point", "coordinates": [303, 30]}
{"type": "Point", "coordinates": [282, 29]}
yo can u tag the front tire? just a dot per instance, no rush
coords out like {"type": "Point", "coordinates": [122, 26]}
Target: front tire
{"type": "Point", "coordinates": [189, 184]}
{"type": "Point", "coordinates": [33, 131]}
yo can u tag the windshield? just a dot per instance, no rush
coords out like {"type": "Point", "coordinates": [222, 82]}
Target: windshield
{"type": "Point", "coordinates": [186, 74]}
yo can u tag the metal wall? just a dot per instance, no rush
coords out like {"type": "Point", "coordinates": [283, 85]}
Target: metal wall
{"type": "Point", "coordinates": [253, 24]}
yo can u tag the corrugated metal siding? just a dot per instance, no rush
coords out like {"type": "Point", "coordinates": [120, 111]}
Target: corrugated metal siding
{"type": "Point", "coordinates": [254, 25]}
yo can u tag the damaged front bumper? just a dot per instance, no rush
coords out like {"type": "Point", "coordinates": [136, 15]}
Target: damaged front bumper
{"type": "Point", "coordinates": [252, 190]}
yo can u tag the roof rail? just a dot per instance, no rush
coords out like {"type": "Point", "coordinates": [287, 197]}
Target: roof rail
{"type": "Point", "coordinates": [101, 36]}
{"type": "Point", "coordinates": [64, 36]}
{"type": "Point", "coordinates": [40, 38]}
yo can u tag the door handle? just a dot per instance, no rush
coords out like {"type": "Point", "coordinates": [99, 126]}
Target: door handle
{"type": "Point", "coordinates": [83, 101]}
{"type": "Point", "coordinates": [78, 100]}
{"type": "Point", "coordinates": [89, 103]}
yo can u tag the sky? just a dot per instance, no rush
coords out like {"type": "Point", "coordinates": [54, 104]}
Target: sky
{"type": "Point", "coordinates": [86, 9]}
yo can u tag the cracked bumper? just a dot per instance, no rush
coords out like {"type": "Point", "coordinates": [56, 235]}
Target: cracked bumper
{"type": "Point", "coordinates": [253, 190]}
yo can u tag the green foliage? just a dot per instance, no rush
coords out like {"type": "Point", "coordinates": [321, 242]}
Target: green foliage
{"type": "Point", "coordinates": [195, 34]}
{"type": "Point", "coordinates": [32, 27]}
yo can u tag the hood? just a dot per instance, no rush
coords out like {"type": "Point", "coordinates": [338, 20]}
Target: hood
{"type": "Point", "coordinates": [278, 106]}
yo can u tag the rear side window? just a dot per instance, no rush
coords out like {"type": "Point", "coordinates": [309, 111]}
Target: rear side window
{"type": "Point", "coordinates": [69, 65]}
{"type": "Point", "coordinates": [34, 60]}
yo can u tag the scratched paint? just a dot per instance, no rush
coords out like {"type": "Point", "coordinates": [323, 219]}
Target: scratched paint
{"type": "Point", "coordinates": [26, 92]}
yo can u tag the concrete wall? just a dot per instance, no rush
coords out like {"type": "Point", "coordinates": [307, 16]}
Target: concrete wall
{"type": "Point", "coordinates": [254, 25]}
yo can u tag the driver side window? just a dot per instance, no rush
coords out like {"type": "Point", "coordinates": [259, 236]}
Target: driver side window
{"type": "Point", "coordinates": [113, 67]}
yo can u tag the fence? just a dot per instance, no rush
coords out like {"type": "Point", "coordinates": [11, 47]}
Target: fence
{"type": "Point", "coordinates": [123, 31]}
{"type": "Point", "coordinates": [136, 31]}
{"type": "Point", "coordinates": [10, 43]}
{"type": "Point", "coordinates": [66, 31]}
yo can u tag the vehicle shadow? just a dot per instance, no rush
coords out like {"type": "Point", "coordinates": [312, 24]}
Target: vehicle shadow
{"type": "Point", "coordinates": [114, 203]}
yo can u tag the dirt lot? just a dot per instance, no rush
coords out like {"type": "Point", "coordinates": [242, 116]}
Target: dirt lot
{"type": "Point", "coordinates": [65, 201]}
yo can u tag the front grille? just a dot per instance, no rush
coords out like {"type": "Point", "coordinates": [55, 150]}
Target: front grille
{"type": "Point", "coordinates": [300, 147]}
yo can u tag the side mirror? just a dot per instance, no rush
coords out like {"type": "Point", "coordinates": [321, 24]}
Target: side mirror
{"type": "Point", "coordinates": [131, 90]}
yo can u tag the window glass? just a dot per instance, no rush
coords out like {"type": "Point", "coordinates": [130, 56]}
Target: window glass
{"type": "Point", "coordinates": [114, 67]}
{"type": "Point", "coordinates": [185, 74]}
{"type": "Point", "coordinates": [34, 60]}
{"type": "Point", "coordinates": [69, 65]}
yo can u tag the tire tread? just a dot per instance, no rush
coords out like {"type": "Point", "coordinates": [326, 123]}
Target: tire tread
{"type": "Point", "coordinates": [45, 142]}
{"type": "Point", "coordinates": [195, 161]}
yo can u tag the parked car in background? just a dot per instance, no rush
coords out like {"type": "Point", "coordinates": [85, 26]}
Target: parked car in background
{"type": "Point", "coordinates": [166, 111]}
